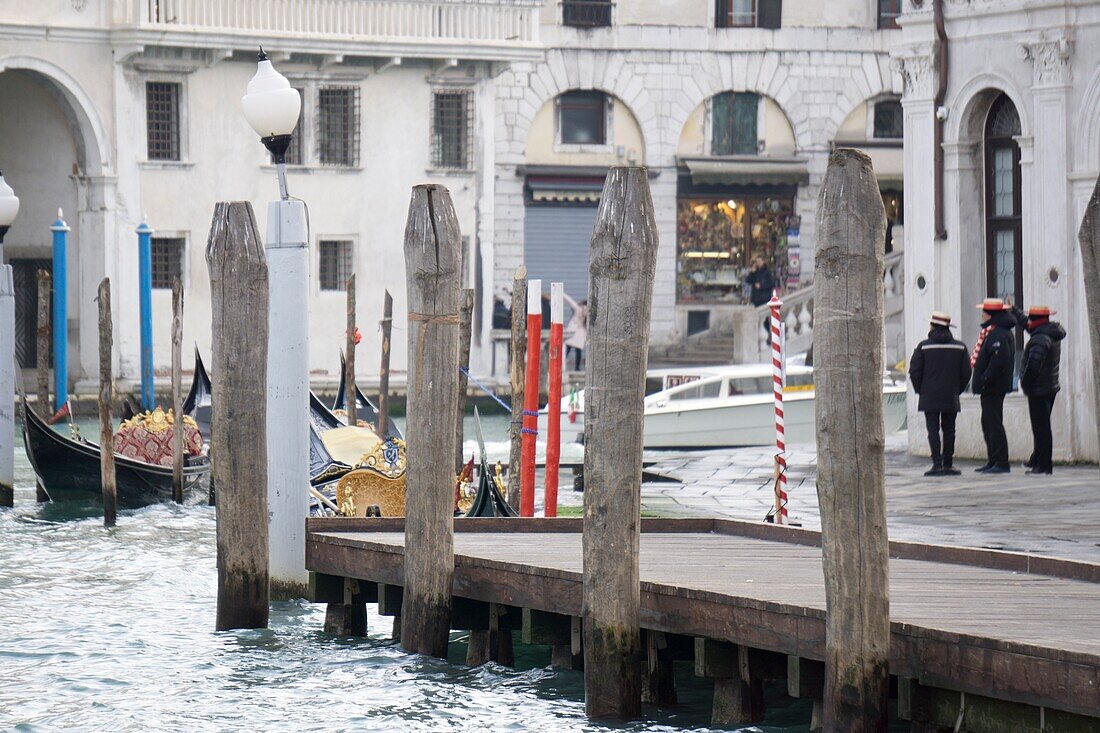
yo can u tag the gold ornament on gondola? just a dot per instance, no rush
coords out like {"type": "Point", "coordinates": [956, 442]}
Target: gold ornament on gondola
{"type": "Point", "coordinates": [378, 479]}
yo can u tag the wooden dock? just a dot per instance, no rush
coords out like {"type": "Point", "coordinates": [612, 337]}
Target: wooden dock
{"type": "Point", "coordinates": [1008, 641]}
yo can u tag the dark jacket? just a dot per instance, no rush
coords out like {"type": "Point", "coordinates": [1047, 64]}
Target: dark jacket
{"type": "Point", "coordinates": [1042, 357]}
{"type": "Point", "coordinates": [939, 370]}
{"type": "Point", "coordinates": [997, 360]}
{"type": "Point", "coordinates": [762, 282]}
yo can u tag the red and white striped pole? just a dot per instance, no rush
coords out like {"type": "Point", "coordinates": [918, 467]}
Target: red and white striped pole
{"type": "Point", "coordinates": [530, 430]}
{"type": "Point", "coordinates": [553, 405]}
{"type": "Point", "coordinates": [778, 381]}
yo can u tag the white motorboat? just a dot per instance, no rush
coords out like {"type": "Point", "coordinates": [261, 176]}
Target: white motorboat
{"type": "Point", "coordinates": [728, 406]}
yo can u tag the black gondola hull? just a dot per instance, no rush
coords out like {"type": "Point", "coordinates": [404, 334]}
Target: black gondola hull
{"type": "Point", "coordinates": [69, 470]}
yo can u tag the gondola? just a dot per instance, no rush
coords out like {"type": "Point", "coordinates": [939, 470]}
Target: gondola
{"type": "Point", "coordinates": [199, 402]}
{"type": "Point", "coordinates": [323, 468]}
{"type": "Point", "coordinates": [488, 501]}
{"type": "Point", "coordinates": [69, 469]}
{"type": "Point", "coordinates": [364, 408]}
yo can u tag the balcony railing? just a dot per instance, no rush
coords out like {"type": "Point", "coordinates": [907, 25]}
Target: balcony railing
{"type": "Point", "coordinates": [586, 13]}
{"type": "Point", "coordinates": [446, 21]}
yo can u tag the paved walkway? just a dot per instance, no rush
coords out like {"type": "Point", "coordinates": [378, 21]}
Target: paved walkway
{"type": "Point", "coordinates": [1055, 515]}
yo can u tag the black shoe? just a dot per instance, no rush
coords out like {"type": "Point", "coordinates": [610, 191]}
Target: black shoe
{"type": "Point", "coordinates": [984, 469]}
{"type": "Point", "coordinates": [1030, 462]}
{"type": "Point", "coordinates": [950, 471]}
{"type": "Point", "coordinates": [934, 471]}
{"type": "Point", "coordinates": [1040, 471]}
{"type": "Point", "coordinates": [999, 469]}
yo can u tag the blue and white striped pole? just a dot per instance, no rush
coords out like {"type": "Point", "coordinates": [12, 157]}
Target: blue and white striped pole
{"type": "Point", "coordinates": [60, 312]}
{"type": "Point", "coordinates": [145, 286]}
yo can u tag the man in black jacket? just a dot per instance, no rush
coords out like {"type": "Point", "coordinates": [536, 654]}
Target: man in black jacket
{"type": "Point", "coordinates": [940, 370]}
{"type": "Point", "coordinates": [994, 363]}
{"type": "Point", "coordinates": [1039, 381]}
{"type": "Point", "coordinates": [761, 282]}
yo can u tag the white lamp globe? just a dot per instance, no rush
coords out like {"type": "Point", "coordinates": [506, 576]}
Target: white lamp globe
{"type": "Point", "coordinates": [270, 104]}
{"type": "Point", "coordinates": [9, 203]}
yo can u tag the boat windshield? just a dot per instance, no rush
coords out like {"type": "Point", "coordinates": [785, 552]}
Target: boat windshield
{"type": "Point", "coordinates": [749, 386]}
{"type": "Point", "coordinates": [703, 390]}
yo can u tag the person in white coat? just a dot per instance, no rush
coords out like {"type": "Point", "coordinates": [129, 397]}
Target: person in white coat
{"type": "Point", "coordinates": [577, 332]}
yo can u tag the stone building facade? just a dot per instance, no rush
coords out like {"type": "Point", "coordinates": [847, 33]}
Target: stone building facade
{"type": "Point", "coordinates": [813, 76]}
{"type": "Point", "coordinates": [1019, 105]}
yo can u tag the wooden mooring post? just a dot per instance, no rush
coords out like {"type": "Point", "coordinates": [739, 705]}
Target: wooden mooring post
{"type": "Point", "coordinates": [239, 300]}
{"type": "Point", "coordinates": [106, 414]}
{"type": "Point", "coordinates": [465, 331]}
{"type": "Point", "coordinates": [622, 264]}
{"type": "Point", "coordinates": [432, 265]}
{"type": "Point", "coordinates": [848, 328]}
{"type": "Point", "coordinates": [517, 374]}
{"type": "Point", "coordinates": [177, 391]}
{"type": "Point", "coordinates": [384, 368]}
{"type": "Point", "coordinates": [42, 356]}
{"type": "Point", "coordinates": [350, 395]}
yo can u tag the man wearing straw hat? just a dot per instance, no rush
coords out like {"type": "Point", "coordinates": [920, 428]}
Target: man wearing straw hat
{"type": "Point", "coordinates": [994, 364]}
{"type": "Point", "coordinates": [939, 371]}
{"type": "Point", "coordinates": [1039, 381]}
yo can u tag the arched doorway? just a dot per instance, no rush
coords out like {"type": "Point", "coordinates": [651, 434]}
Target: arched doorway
{"type": "Point", "coordinates": [1003, 205]}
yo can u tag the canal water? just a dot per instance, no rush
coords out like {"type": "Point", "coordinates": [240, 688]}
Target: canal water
{"type": "Point", "coordinates": [114, 630]}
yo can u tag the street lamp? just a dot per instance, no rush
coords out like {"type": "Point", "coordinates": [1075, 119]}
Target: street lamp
{"type": "Point", "coordinates": [272, 107]}
{"type": "Point", "coordinates": [9, 207]}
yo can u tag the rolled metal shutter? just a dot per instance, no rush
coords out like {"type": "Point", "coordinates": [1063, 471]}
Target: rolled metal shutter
{"type": "Point", "coordinates": [556, 241]}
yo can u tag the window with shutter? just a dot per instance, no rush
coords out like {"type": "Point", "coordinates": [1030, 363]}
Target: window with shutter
{"type": "Point", "coordinates": [733, 123]}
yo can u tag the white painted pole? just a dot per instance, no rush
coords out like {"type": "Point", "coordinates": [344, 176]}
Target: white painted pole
{"type": "Point", "coordinates": [7, 385]}
{"type": "Point", "coordinates": [288, 397]}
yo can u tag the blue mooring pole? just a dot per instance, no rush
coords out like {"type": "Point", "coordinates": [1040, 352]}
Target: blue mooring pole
{"type": "Point", "coordinates": [145, 285]}
{"type": "Point", "coordinates": [60, 312]}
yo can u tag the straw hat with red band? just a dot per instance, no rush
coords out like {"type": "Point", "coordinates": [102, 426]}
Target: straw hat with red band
{"type": "Point", "coordinates": [939, 318]}
{"type": "Point", "coordinates": [1037, 312]}
{"type": "Point", "coordinates": [992, 305]}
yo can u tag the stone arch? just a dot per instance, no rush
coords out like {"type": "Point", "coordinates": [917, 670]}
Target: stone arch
{"type": "Point", "coordinates": [693, 119]}
{"type": "Point", "coordinates": [967, 108]}
{"type": "Point", "coordinates": [602, 71]}
{"type": "Point", "coordinates": [86, 128]}
{"type": "Point", "coordinates": [625, 132]}
{"type": "Point", "coordinates": [1089, 120]}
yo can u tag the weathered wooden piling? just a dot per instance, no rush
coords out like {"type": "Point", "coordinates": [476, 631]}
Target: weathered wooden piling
{"type": "Point", "coordinates": [432, 260]}
{"type": "Point", "coordinates": [848, 328]}
{"type": "Point", "coordinates": [42, 359]}
{"type": "Point", "coordinates": [177, 390]}
{"type": "Point", "coordinates": [517, 374]}
{"type": "Point", "coordinates": [351, 401]}
{"type": "Point", "coordinates": [7, 382]}
{"type": "Point", "coordinates": [106, 400]}
{"type": "Point", "coordinates": [1088, 238]}
{"type": "Point", "coordinates": [622, 264]}
{"type": "Point", "coordinates": [239, 300]}
{"type": "Point", "coordinates": [384, 369]}
{"type": "Point", "coordinates": [465, 332]}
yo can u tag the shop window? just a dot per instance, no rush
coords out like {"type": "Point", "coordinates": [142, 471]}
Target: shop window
{"type": "Point", "coordinates": [335, 263]}
{"type": "Point", "coordinates": [748, 14]}
{"type": "Point", "coordinates": [1004, 250]}
{"type": "Point", "coordinates": [888, 12]}
{"type": "Point", "coordinates": [451, 128]}
{"type": "Point", "coordinates": [582, 118]}
{"type": "Point", "coordinates": [162, 120]}
{"type": "Point", "coordinates": [586, 13]}
{"type": "Point", "coordinates": [733, 123]}
{"type": "Point", "coordinates": [719, 238]}
{"type": "Point", "coordinates": [889, 121]}
{"type": "Point", "coordinates": [338, 126]}
{"type": "Point", "coordinates": [166, 256]}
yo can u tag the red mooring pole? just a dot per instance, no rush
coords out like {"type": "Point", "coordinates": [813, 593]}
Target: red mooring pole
{"type": "Point", "coordinates": [779, 375]}
{"type": "Point", "coordinates": [553, 405]}
{"type": "Point", "coordinates": [530, 429]}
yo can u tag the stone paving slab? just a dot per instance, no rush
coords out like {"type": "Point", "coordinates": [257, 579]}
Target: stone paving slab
{"type": "Point", "coordinates": [1055, 515]}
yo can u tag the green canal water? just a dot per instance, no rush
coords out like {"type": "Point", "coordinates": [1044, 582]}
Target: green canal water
{"type": "Point", "coordinates": [114, 630]}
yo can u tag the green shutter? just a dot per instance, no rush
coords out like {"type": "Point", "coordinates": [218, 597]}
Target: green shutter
{"type": "Point", "coordinates": [721, 107]}
{"type": "Point", "coordinates": [743, 122]}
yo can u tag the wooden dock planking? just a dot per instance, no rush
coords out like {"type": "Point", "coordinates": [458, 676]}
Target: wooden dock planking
{"type": "Point", "coordinates": [955, 624]}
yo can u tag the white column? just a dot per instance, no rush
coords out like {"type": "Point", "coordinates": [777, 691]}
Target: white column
{"type": "Point", "coordinates": [288, 397]}
{"type": "Point", "coordinates": [7, 384]}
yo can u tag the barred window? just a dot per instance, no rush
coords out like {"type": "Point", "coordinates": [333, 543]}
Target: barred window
{"type": "Point", "coordinates": [889, 119]}
{"type": "Point", "coordinates": [582, 117]}
{"type": "Point", "coordinates": [452, 131]}
{"type": "Point", "coordinates": [888, 12]}
{"type": "Point", "coordinates": [336, 263]}
{"type": "Point", "coordinates": [162, 119]}
{"type": "Point", "coordinates": [338, 126]}
{"type": "Point", "coordinates": [167, 260]}
{"type": "Point", "coordinates": [748, 13]}
{"type": "Point", "coordinates": [586, 13]}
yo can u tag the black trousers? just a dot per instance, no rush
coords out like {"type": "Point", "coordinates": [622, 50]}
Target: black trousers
{"type": "Point", "coordinates": [993, 429]}
{"type": "Point", "coordinates": [577, 354]}
{"type": "Point", "coordinates": [1040, 408]}
{"type": "Point", "coordinates": [935, 422]}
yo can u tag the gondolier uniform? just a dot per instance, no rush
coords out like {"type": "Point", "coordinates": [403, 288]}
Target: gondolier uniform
{"type": "Point", "coordinates": [939, 371]}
